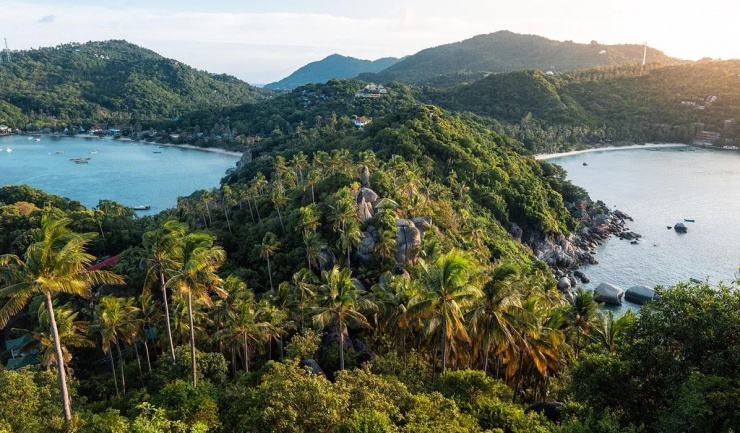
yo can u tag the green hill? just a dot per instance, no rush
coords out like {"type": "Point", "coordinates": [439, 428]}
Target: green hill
{"type": "Point", "coordinates": [112, 81]}
{"type": "Point", "coordinates": [505, 51]}
{"type": "Point", "coordinates": [333, 67]}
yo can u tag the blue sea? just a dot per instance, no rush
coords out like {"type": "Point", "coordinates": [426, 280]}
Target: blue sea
{"type": "Point", "coordinates": [659, 188]}
{"type": "Point", "coordinates": [130, 173]}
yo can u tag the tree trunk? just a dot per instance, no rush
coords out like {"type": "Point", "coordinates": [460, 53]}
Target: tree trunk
{"type": "Point", "coordinates": [250, 210]}
{"type": "Point", "coordinates": [444, 343]}
{"type": "Point", "coordinates": [246, 354]}
{"type": "Point", "coordinates": [113, 370]}
{"type": "Point", "coordinates": [146, 351]}
{"type": "Point", "coordinates": [228, 220]}
{"type": "Point", "coordinates": [61, 373]}
{"type": "Point", "coordinates": [341, 347]}
{"type": "Point", "coordinates": [313, 198]}
{"type": "Point", "coordinates": [280, 217]}
{"type": "Point", "coordinates": [269, 272]}
{"type": "Point", "coordinates": [138, 359]}
{"type": "Point", "coordinates": [192, 338]}
{"type": "Point", "coordinates": [208, 209]}
{"type": "Point", "coordinates": [485, 354]}
{"type": "Point", "coordinates": [120, 361]}
{"type": "Point", "coordinates": [167, 318]}
{"type": "Point", "coordinates": [233, 361]}
{"type": "Point", "coordinates": [519, 377]}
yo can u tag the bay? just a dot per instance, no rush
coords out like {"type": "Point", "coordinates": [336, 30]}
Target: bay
{"type": "Point", "coordinates": [127, 172]}
{"type": "Point", "coordinates": [660, 187]}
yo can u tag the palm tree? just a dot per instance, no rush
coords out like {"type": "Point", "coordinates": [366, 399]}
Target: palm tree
{"type": "Point", "coordinates": [448, 288]}
{"type": "Point", "coordinates": [300, 162]}
{"type": "Point", "coordinates": [54, 263]}
{"type": "Point", "coordinates": [581, 314]}
{"type": "Point", "coordinates": [72, 333]}
{"type": "Point", "coordinates": [393, 296]}
{"type": "Point", "coordinates": [151, 313]}
{"type": "Point", "coordinates": [197, 278]}
{"type": "Point", "coordinates": [607, 330]}
{"type": "Point", "coordinates": [116, 320]}
{"type": "Point", "coordinates": [340, 303]}
{"type": "Point", "coordinates": [269, 247]}
{"type": "Point", "coordinates": [386, 246]}
{"type": "Point", "coordinates": [247, 326]}
{"type": "Point", "coordinates": [302, 292]}
{"type": "Point", "coordinates": [164, 251]}
{"type": "Point", "coordinates": [349, 237]}
{"type": "Point", "coordinates": [495, 315]}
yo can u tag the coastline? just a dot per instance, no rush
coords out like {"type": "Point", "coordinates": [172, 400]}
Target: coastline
{"type": "Point", "coordinates": [185, 146]}
{"type": "Point", "coordinates": [546, 156]}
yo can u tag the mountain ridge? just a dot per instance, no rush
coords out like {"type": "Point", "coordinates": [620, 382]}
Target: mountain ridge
{"type": "Point", "coordinates": [334, 66]}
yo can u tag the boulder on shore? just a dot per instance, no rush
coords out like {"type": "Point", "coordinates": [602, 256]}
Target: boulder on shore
{"type": "Point", "coordinates": [639, 294]}
{"type": "Point", "coordinates": [608, 293]}
{"type": "Point", "coordinates": [564, 284]}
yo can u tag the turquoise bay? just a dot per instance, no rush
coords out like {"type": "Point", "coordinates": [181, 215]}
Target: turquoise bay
{"type": "Point", "coordinates": [659, 188]}
{"type": "Point", "coordinates": [130, 173]}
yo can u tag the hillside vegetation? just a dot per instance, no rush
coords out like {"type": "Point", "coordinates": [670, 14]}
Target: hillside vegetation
{"type": "Point", "coordinates": [112, 81]}
{"type": "Point", "coordinates": [332, 67]}
{"type": "Point", "coordinates": [505, 51]}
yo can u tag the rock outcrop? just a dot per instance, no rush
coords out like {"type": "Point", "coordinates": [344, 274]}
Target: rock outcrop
{"type": "Point", "coordinates": [608, 293]}
{"type": "Point", "coordinates": [639, 294]}
{"type": "Point", "coordinates": [408, 241]}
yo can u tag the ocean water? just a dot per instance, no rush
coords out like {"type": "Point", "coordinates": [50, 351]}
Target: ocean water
{"type": "Point", "coordinates": [659, 188]}
{"type": "Point", "coordinates": [127, 172]}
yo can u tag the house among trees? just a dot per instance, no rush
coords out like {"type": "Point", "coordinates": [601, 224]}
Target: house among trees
{"type": "Point", "coordinates": [361, 121]}
{"type": "Point", "coordinates": [371, 91]}
{"type": "Point", "coordinates": [4, 129]}
{"type": "Point", "coordinates": [19, 358]}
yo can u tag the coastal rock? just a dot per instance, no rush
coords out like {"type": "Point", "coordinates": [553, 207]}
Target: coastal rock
{"type": "Point", "coordinates": [312, 365]}
{"type": "Point", "coordinates": [364, 354]}
{"type": "Point", "coordinates": [368, 194]}
{"type": "Point", "coordinates": [408, 240]}
{"type": "Point", "coordinates": [327, 260]}
{"type": "Point", "coordinates": [608, 293]}
{"type": "Point", "coordinates": [365, 176]}
{"type": "Point", "coordinates": [639, 294]}
{"type": "Point", "coordinates": [367, 247]}
{"type": "Point", "coordinates": [629, 235]}
{"type": "Point", "coordinates": [584, 279]}
{"type": "Point", "coordinates": [564, 284]}
{"type": "Point", "coordinates": [551, 410]}
{"type": "Point", "coordinates": [516, 231]}
{"type": "Point", "coordinates": [399, 271]}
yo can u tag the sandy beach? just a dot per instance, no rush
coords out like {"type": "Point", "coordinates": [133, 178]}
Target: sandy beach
{"type": "Point", "coordinates": [186, 146]}
{"type": "Point", "coordinates": [605, 149]}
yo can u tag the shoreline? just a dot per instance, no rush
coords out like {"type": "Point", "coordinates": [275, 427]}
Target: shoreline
{"type": "Point", "coordinates": [546, 156]}
{"type": "Point", "coordinates": [183, 146]}
{"type": "Point", "coordinates": [107, 138]}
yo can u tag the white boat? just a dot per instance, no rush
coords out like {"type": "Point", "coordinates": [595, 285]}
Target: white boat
{"type": "Point", "coordinates": [38, 139]}
{"type": "Point", "coordinates": [8, 150]}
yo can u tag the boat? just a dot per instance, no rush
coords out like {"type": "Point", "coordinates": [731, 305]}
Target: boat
{"type": "Point", "coordinates": [141, 207]}
{"type": "Point", "coordinates": [94, 151]}
{"type": "Point", "coordinates": [37, 139]}
{"type": "Point", "coordinates": [157, 151]}
{"type": "Point", "coordinates": [82, 161]}
{"type": "Point", "coordinates": [688, 220]}
{"type": "Point", "coordinates": [8, 150]}
{"type": "Point", "coordinates": [30, 138]}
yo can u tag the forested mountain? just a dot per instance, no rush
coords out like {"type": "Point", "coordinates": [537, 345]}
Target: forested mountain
{"type": "Point", "coordinates": [114, 81]}
{"type": "Point", "coordinates": [335, 66]}
{"type": "Point", "coordinates": [619, 103]}
{"type": "Point", "coordinates": [505, 51]}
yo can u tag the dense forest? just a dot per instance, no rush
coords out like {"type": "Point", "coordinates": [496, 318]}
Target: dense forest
{"type": "Point", "coordinates": [346, 280]}
{"type": "Point", "coordinates": [505, 51]}
{"type": "Point", "coordinates": [76, 85]}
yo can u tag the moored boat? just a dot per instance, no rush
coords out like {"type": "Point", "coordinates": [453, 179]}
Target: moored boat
{"type": "Point", "coordinates": [141, 207]}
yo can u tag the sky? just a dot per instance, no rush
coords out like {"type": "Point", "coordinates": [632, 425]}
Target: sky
{"type": "Point", "coordinates": [263, 41]}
